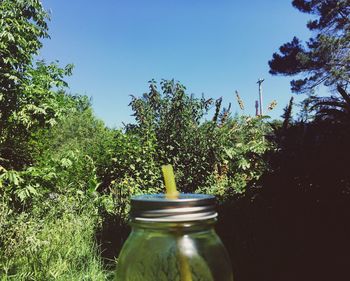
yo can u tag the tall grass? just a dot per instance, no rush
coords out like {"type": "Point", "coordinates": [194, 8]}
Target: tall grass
{"type": "Point", "coordinates": [56, 245]}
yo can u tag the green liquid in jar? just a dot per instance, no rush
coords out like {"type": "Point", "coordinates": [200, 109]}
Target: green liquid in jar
{"type": "Point", "coordinates": [158, 251]}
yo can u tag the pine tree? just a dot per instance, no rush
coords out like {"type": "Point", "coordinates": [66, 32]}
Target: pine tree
{"type": "Point", "coordinates": [325, 58]}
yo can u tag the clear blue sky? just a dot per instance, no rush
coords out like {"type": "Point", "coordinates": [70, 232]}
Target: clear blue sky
{"type": "Point", "coordinates": [212, 47]}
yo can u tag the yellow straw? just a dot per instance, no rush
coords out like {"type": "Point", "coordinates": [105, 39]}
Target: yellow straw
{"type": "Point", "coordinates": [170, 185]}
{"type": "Point", "coordinates": [185, 271]}
{"type": "Point", "coordinates": [172, 193]}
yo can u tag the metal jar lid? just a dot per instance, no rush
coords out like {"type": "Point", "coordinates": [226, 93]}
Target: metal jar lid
{"type": "Point", "coordinates": [187, 207]}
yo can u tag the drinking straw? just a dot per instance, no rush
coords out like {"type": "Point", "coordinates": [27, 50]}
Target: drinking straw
{"type": "Point", "coordinates": [170, 184]}
{"type": "Point", "coordinates": [172, 193]}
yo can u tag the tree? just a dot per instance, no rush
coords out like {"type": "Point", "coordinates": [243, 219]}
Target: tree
{"type": "Point", "coordinates": [218, 155]}
{"type": "Point", "coordinates": [32, 94]}
{"type": "Point", "coordinates": [170, 121]}
{"type": "Point", "coordinates": [23, 24]}
{"type": "Point", "coordinates": [325, 58]}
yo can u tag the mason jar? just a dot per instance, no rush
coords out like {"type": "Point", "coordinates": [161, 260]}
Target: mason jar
{"type": "Point", "coordinates": [173, 240]}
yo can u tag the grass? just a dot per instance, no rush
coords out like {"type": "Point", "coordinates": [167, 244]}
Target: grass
{"type": "Point", "coordinates": [58, 245]}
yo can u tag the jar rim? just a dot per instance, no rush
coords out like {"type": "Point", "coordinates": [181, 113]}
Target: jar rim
{"type": "Point", "coordinates": [187, 207]}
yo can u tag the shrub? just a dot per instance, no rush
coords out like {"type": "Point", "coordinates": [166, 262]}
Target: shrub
{"type": "Point", "coordinates": [217, 156]}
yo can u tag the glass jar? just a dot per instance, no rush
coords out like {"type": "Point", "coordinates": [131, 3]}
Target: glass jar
{"type": "Point", "coordinates": [173, 240]}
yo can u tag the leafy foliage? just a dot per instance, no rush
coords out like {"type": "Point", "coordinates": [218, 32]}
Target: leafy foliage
{"type": "Point", "coordinates": [173, 122]}
{"type": "Point", "coordinates": [48, 208]}
{"type": "Point", "coordinates": [335, 108]}
{"type": "Point", "coordinates": [23, 24]}
{"type": "Point", "coordinates": [32, 93]}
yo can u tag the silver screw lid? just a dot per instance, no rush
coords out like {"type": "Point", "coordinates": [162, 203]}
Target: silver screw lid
{"type": "Point", "coordinates": [187, 207]}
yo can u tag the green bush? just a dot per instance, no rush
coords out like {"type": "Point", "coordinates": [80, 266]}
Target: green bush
{"type": "Point", "coordinates": [49, 210]}
{"type": "Point", "coordinates": [218, 156]}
